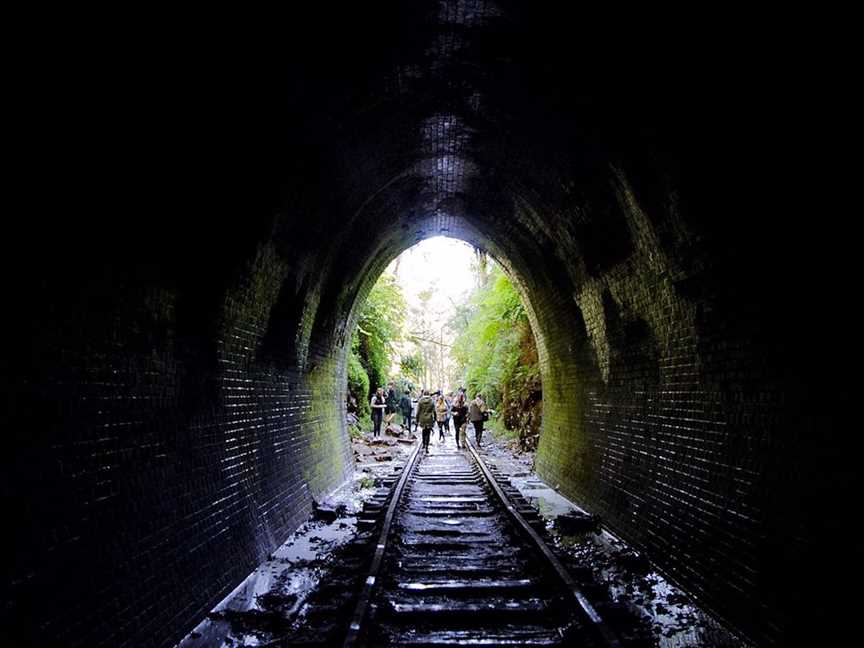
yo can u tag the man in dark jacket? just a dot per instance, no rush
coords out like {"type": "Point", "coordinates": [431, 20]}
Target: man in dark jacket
{"type": "Point", "coordinates": [392, 399]}
{"type": "Point", "coordinates": [460, 414]}
{"type": "Point", "coordinates": [378, 404]}
{"type": "Point", "coordinates": [405, 406]}
{"type": "Point", "coordinates": [426, 417]}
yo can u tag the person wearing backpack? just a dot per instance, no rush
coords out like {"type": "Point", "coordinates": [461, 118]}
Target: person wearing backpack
{"type": "Point", "coordinates": [426, 417]}
{"type": "Point", "coordinates": [478, 415]}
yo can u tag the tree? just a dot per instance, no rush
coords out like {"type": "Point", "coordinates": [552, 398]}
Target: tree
{"type": "Point", "coordinates": [424, 335]}
{"type": "Point", "coordinates": [379, 328]}
{"type": "Point", "coordinates": [413, 366]}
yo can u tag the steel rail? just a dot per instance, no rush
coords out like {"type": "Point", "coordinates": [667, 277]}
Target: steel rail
{"type": "Point", "coordinates": [560, 570]}
{"type": "Point", "coordinates": [361, 610]}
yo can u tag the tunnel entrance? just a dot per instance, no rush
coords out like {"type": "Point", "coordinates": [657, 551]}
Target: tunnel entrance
{"type": "Point", "coordinates": [446, 318]}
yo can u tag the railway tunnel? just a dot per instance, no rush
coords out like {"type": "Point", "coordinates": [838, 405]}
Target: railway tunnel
{"type": "Point", "coordinates": [211, 217]}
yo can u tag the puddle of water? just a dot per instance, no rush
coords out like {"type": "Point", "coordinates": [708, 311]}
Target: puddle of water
{"type": "Point", "coordinates": [284, 581]}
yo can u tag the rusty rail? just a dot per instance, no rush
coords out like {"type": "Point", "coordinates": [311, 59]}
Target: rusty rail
{"type": "Point", "coordinates": [540, 545]}
{"type": "Point", "coordinates": [354, 637]}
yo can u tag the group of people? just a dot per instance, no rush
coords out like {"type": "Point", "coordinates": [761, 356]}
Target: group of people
{"type": "Point", "coordinates": [431, 409]}
{"type": "Point", "coordinates": [386, 405]}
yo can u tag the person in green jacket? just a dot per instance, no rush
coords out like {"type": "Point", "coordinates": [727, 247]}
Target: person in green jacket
{"type": "Point", "coordinates": [426, 417]}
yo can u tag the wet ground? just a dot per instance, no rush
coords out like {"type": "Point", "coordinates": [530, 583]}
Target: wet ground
{"type": "Point", "coordinates": [273, 599]}
{"type": "Point", "coordinates": [667, 616]}
{"type": "Point", "coordinates": [276, 599]}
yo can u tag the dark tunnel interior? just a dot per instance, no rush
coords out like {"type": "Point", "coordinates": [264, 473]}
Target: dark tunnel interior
{"type": "Point", "coordinates": [205, 203]}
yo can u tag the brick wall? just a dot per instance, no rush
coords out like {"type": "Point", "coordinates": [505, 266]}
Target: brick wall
{"type": "Point", "coordinates": [147, 477]}
{"type": "Point", "coordinates": [683, 410]}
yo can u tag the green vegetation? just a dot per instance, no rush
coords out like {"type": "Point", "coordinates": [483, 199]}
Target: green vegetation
{"type": "Point", "coordinates": [496, 428]}
{"type": "Point", "coordinates": [358, 383]}
{"type": "Point", "coordinates": [379, 328]}
{"type": "Point", "coordinates": [497, 355]}
{"type": "Point", "coordinates": [413, 367]}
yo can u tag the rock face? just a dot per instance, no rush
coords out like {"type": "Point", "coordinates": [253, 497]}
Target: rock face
{"type": "Point", "coordinates": [179, 317]}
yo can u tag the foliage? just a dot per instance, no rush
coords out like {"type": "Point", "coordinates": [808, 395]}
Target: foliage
{"type": "Point", "coordinates": [412, 367]}
{"type": "Point", "coordinates": [355, 427]}
{"type": "Point", "coordinates": [499, 432]}
{"type": "Point", "coordinates": [358, 383]}
{"type": "Point", "coordinates": [497, 354]}
{"type": "Point", "coordinates": [379, 327]}
{"type": "Point", "coordinates": [425, 338]}
{"type": "Point", "coordinates": [484, 347]}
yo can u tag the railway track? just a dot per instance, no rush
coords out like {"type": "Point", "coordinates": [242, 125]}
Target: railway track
{"type": "Point", "coordinates": [459, 561]}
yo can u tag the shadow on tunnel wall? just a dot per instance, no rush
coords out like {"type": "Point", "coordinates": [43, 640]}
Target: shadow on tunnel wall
{"type": "Point", "coordinates": [181, 286]}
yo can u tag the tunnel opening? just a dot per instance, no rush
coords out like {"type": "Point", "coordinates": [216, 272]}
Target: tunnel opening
{"type": "Point", "coordinates": [445, 317]}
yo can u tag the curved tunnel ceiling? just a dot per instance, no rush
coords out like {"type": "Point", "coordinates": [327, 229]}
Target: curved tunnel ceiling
{"type": "Point", "coordinates": [466, 132]}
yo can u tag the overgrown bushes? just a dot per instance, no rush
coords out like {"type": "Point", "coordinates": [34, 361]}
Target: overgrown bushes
{"type": "Point", "coordinates": [379, 327]}
{"type": "Point", "coordinates": [498, 356]}
{"type": "Point", "coordinates": [358, 383]}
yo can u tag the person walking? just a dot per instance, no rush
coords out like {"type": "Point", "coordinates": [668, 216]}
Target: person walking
{"type": "Point", "coordinates": [392, 399]}
{"type": "Point", "coordinates": [406, 407]}
{"type": "Point", "coordinates": [378, 405]}
{"type": "Point", "coordinates": [414, 402]}
{"type": "Point", "coordinates": [478, 415]}
{"type": "Point", "coordinates": [426, 417]}
{"type": "Point", "coordinates": [442, 415]}
{"type": "Point", "coordinates": [460, 415]}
